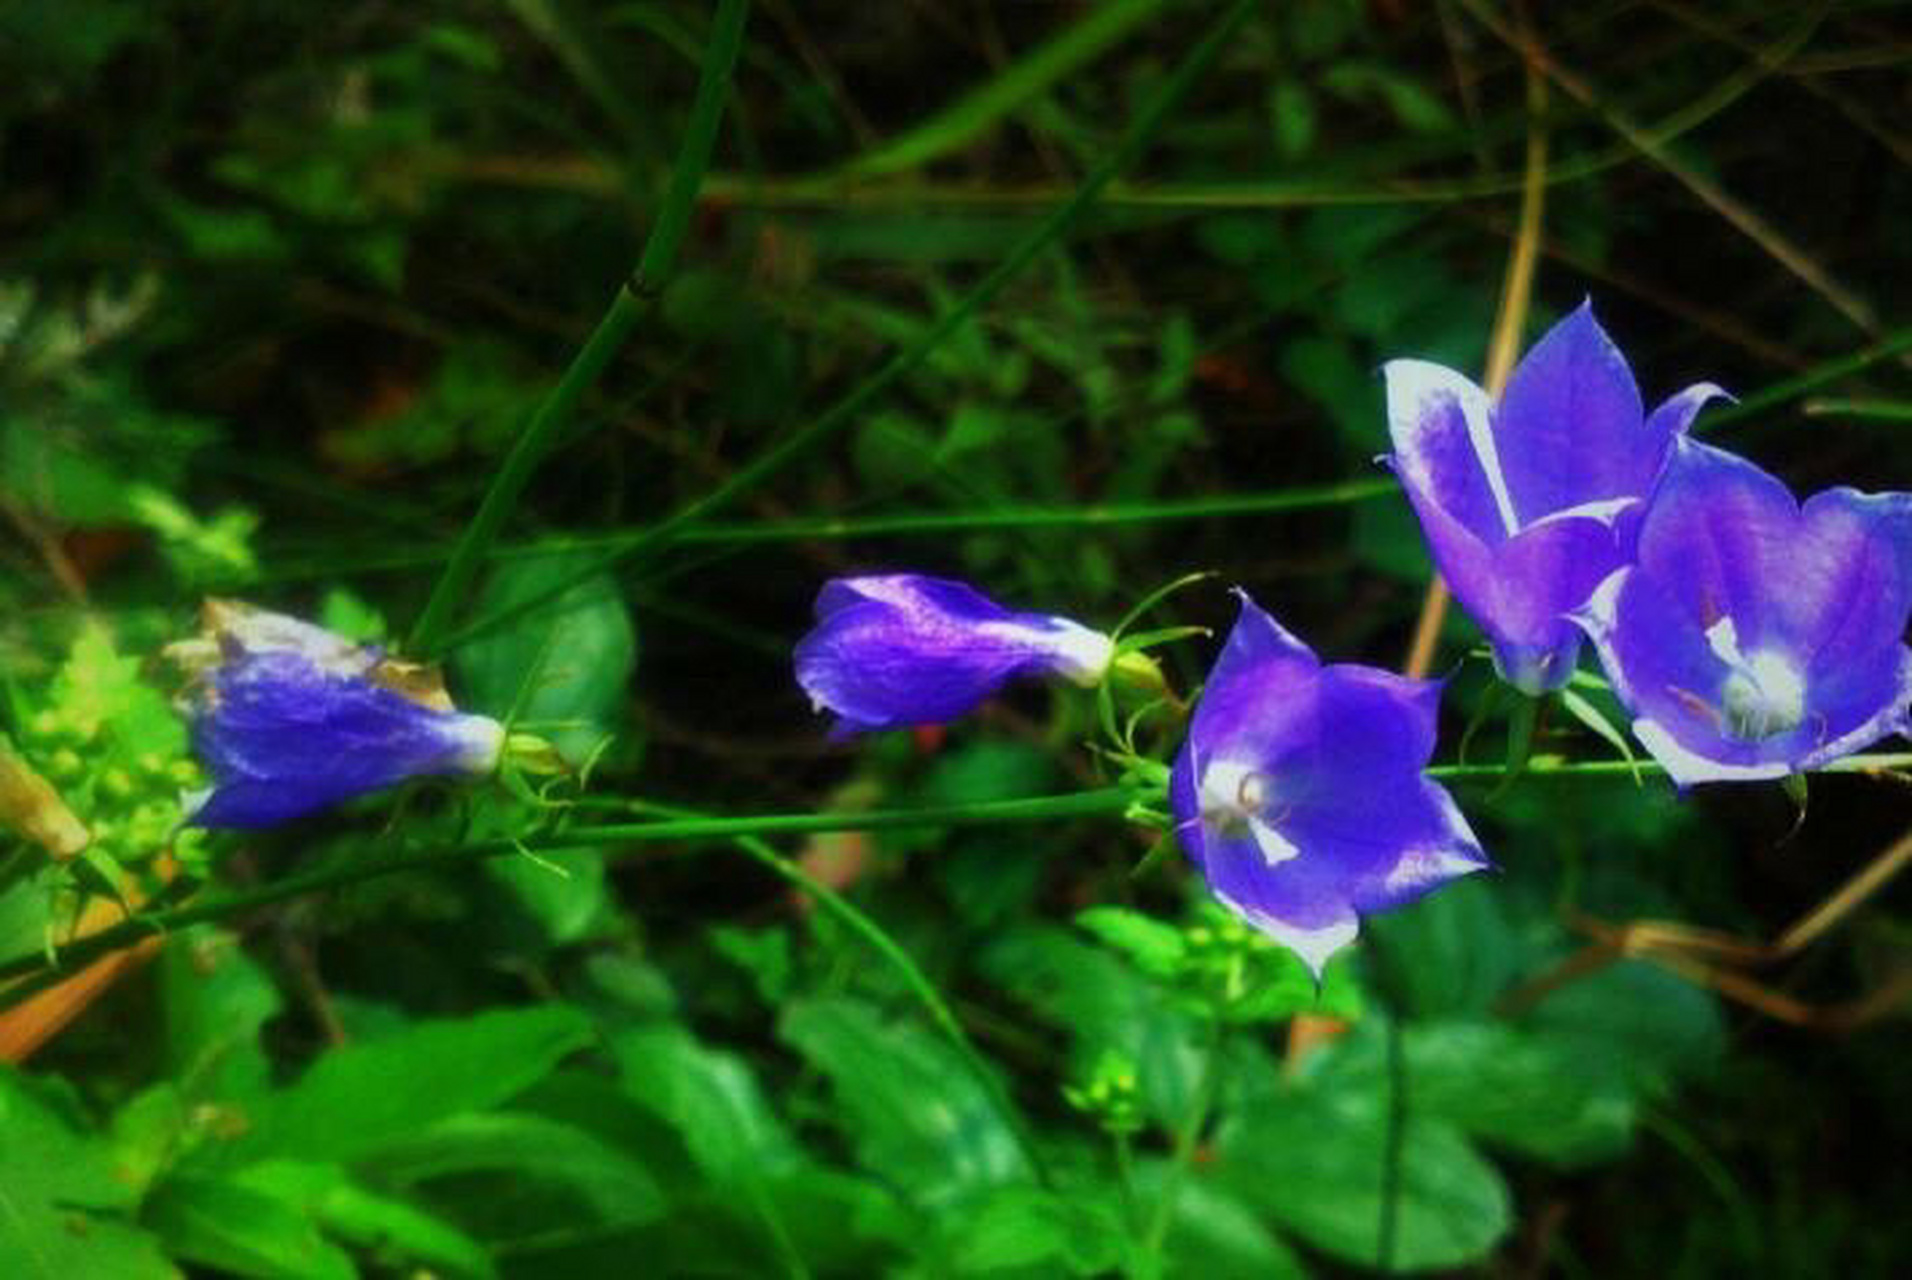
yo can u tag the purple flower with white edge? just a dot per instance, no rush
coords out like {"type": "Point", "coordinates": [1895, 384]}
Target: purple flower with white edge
{"type": "Point", "coordinates": [291, 718]}
{"type": "Point", "coordinates": [894, 650]}
{"type": "Point", "coordinates": [1530, 503]}
{"type": "Point", "coordinates": [1300, 792]}
{"type": "Point", "coordinates": [1756, 636]}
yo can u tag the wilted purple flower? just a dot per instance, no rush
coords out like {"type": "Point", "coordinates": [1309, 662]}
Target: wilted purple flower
{"type": "Point", "coordinates": [1300, 793]}
{"type": "Point", "coordinates": [901, 649]}
{"type": "Point", "coordinates": [291, 718]}
{"type": "Point", "coordinates": [1529, 504]}
{"type": "Point", "coordinates": [1754, 636]}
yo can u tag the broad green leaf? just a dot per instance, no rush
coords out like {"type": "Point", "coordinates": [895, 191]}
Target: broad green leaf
{"type": "Point", "coordinates": [1636, 1019]}
{"type": "Point", "coordinates": [213, 1000]}
{"type": "Point", "coordinates": [1311, 1156]}
{"type": "Point", "coordinates": [1102, 1003]}
{"type": "Point", "coordinates": [1023, 1230]}
{"type": "Point", "coordinates": [63, 1213]}
{"type": "Point", "coordinates": [218, 1221]}
{"type": "Point", "coordinates": [1456, 951]}
{"type": "Point", "coordinates": [1526, 1091]}
{"type": "Point", "coordinates": [366, 1220]}
{"type": "Point", "coordinates": [1156, 948]}
{"type": "Point", "coordinates": [711, 1098]}
{"type": "Point", "coordinates": [907, 1102]}
{"type": "Point", "coordinates": [358, 1098]}
{"type": "Point", "coordinates": [567, 662]}
{"type": "Point", "coordinates": [601, 1178]}
{"type": "Point", "coordinates": [1215, 1233]}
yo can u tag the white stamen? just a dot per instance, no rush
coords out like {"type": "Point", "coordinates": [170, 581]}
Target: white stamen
{"type": "Point", "coordinates": [1763, 695]}
{"type": "Point", "coordinates": [1234, 796]}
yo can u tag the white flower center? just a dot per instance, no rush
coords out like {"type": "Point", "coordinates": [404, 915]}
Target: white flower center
{"type": "Point", "coordinates": [1763, 695]}
{"type": "Point", "coordinates": [1235, 798]}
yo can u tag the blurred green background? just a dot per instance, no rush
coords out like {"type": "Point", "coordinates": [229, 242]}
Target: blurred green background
{"type": "Point", "coordinates": [280, 284]}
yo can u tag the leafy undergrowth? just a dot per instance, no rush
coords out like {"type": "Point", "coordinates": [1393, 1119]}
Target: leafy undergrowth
{"type": "Point", "coordinates": [279, 290]}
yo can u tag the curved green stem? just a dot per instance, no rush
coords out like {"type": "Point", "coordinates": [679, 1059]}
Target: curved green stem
{"type": "Point", "coordinates": [1554, 767]}
{"type": "Point", "coordinates": [1048, 232]}
{"type": "Point", "coordinates": [627, 308]}
{"type": "Point", "coordinates": [226, 905]}
{"type": "Point", "coordinates": [912, 524]}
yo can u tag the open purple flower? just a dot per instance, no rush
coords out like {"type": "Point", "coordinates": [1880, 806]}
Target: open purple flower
{"type": "Point", "coordinates": [291, 718]}
{"type": "Point", "coordinates": [1300, 794]}
{"type": "Point", "coordinates": [902, 649]}
{"type": "Point", "coordinates": [1529, 504]}
{"type": "Point", "coordinates": [1754, 636]}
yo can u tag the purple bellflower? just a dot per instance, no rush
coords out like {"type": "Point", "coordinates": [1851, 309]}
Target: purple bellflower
{"type": "Point", "coordinates": [895, 650]}
{"type": "Point", "coordinates": [1756, 636]}
{"type": "Point", "coordinates": [1530, 503]}
{"type": "Point", "coordinates": [291, 718]}
{"type": "Point", "coordinates": [1299, 791]}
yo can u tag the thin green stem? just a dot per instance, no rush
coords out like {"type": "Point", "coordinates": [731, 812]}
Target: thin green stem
{"type": "Point", "coordinates": [850, 408]}
{"type": "Point", "coordinates": [1028, 77]}
{"type": "Point", "coordinates": [1187, 1136]}
{"type": "Point", "coordinates": [913, 977]}
{"type": "Point", "coordinates": [686, 830]}
{"type": "Point", "coordinates": [1818, 376]}
{"type": "Point", "coordinates": [632, 300]}
{"type": "Point", "coordinates": [1554, 767]}
{"type": "Point", "coordinates": [913, 524]}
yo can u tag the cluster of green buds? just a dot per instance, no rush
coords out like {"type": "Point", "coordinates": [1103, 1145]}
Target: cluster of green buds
{"type": "Point", "coordinates": [97, 767]}
{"type": "Point", "coordinates": [76, 789]}
{"type": "Point", "coordinates": [1108, 1094]}
{"type": "Point", "coordinates": [1220, 966]}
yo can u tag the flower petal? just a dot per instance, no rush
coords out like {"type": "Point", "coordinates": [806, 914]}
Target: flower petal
{"type": "Point", "coordinates": [1444, 447]}
{"type": "Point", "coordinates": [894, 650]}
{"type": "Point", "coordinates": [1299, 790]}
{"type": "Point", "coordinates": [1719, 527]}
{"type": "Point", "coordinates": [284, 737]}
{"type": "Point", "coordinates": [1756, 637]}
{"type": "Point", "coordinates": [1569, 424]}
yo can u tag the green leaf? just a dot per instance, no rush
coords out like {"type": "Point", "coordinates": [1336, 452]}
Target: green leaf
{"type": "Point", "coordinates": [1155, 948]}
{"type": "Point", "coordinates": [221, 1222]}
{"type": "Point", "coordinates": [1526, 1091]}
{"type": "Point", "coordinates": [531, 1149]}
{"type": "Point", "coordinates": [356, 1099]}
{"type": "Point", "coordinates": [568, 660]}
{"type": "Point", "coordinates": [909, 1105]}
{"type": "Point", "coordinates": [213, 1000]}
{"type": "Point", "coordinates": [386, 1227]}
{"type": "Point", "coordinates": [1215, 1233]}
{"type": "Point", "coordinates": [711, 1098]}
{"type": "Point", "coordinates": [63, 1213]}
{"type": "Point", "coordinates": [1311, 1156]}
{"type": "Point", "coordinates": [1638, 1020]}
{"type": "Point", "coordinates": [1026, 1230]}
{"type": "Point", "coordinates": [1101, 1003]}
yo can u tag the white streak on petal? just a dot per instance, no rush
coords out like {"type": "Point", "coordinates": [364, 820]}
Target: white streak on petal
{"type": "Point", "coordinates": [1425, 868]}
{"type": "Point", "coordinates": [1314, 946]}
{"type": "Point", "coordinates": [1082, 655]}
{"type": "Point", "coordinates": [1275, 847]}
{"type": "Point", "coordinates": [1687, 767]}
{"type": "Point", "coordinates": [479, 740]}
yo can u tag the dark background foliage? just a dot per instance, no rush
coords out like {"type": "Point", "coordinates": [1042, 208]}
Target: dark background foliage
{"type": "Point", "coordinates": [280, 283]}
